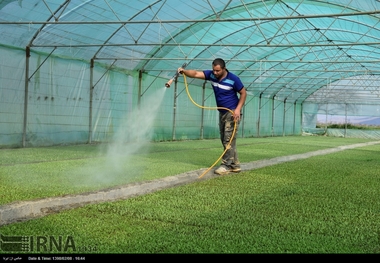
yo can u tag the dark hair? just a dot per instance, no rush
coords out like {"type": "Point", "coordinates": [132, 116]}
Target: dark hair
{"type": "Point", "coordinates": [220, 62]}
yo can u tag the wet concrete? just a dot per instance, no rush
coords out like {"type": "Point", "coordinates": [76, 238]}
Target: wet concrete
{"type": "Point", "coordinates": [26, 210]}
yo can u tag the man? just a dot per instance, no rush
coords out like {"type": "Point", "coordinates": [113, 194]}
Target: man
{"type": "Point", "coordinates": [226, 87]}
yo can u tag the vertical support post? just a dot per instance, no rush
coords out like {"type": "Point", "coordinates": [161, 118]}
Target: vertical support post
{"type": "Point", "coordinates": [27, 56]}
{"type": "Point", "coordinates": [140, 89]}
{"type": "Point", "coordinates": [203, 110]}
{"type": "Point", "coordinates": [174, 110]}
{"type": "Point", "coordinates": [273, 109]}
{"type": "Point", "coordinates": [284, 118]}
{"type": "Point", "coordinates": [139, 96]}
{"type": "Point", "coordinates": [91, 100]}
{"type": "Point", "coordinates": [258, 119]}
{"type": "Point", "coordinates": [326, 117]}
{"type": "Point", "coordinates": [294, 117]}
{"type": "Point", "coordinates": [242, 121]}
{"type": "Point", "coordinates": [301, 113]}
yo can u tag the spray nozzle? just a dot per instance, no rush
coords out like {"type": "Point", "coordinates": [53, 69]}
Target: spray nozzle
{"type": "Point", "coordinates": [167, 84]}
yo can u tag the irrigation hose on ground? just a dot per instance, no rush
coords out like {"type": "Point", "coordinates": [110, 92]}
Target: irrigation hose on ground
{"type": "Point", "coordinates": [211, 108]}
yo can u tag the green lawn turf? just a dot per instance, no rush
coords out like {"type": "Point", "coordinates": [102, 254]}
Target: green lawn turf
{"type": "Point", "coordinates": [323, 204]}
{"type": "Point", "coordinates": [30, 173]}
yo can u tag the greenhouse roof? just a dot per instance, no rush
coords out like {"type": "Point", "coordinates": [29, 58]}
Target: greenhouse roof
{"type": "Point", "coordinates": [295, 51]}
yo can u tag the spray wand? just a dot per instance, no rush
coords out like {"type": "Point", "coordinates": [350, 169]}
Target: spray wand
{"type": "Point", "coordinates": [167, 84]}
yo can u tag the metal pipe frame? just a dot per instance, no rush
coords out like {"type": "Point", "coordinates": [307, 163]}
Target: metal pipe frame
{"type": "Point", "coordinates": [211, 44]}
{"type": "Point", "coordinates": [250, 19]}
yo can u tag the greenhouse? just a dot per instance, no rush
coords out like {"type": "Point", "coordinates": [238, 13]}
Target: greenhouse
{"type": "Point", "coordinates": [81, 71]}
{"type": "Point", "coordinates": [111, 137]}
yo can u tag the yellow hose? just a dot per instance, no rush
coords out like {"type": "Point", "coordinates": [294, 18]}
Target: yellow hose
{"type": "Point", "coordinates": [211, 108]}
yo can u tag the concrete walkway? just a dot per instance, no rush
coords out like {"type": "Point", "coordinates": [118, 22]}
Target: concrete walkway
{"type": "Point", "coordinates": [26, 210]}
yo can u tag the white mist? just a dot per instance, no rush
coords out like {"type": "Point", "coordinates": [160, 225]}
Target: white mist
{"type": "Point", "coordinates": [117, 161]}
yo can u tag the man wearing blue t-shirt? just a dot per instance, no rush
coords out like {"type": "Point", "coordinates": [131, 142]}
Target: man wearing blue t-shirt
{"type": "Point", "coordinates": [226, 87]}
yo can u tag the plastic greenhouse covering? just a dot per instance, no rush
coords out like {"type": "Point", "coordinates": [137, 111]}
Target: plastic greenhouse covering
{"type": "Point", "coordinates": [83, 71]}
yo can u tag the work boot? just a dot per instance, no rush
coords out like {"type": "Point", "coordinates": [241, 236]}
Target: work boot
{"type": "Point", "coordinates": [236, 169]}
{"type": "Point", "coordinates": [223, 169]}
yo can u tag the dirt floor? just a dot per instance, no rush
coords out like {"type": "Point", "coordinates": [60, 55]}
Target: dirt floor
{"type": "Point", "coordinates": [26, 210]}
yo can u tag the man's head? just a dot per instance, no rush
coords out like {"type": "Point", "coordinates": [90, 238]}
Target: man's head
{"type": "Point", "coordinates": [219, 68]}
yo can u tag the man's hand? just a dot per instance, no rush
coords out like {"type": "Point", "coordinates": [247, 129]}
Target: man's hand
{"type": "Point", "coordinates": [237, 115]}
{"type": "Point", "coordinates": [192, 73]}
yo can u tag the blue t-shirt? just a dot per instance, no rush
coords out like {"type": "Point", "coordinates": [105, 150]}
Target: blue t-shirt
{"type": "Point", "coordinates": [225, 90]}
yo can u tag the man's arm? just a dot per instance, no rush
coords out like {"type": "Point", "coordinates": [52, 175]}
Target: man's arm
{"type": "Point", "coordinates": [243, 96]}
{"type": "Point", "coordinates": [192, 73]}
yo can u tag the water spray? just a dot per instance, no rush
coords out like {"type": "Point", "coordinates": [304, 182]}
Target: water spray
{"type": "Point", "coordinates": [208, 108]}
{"type": "Point", "coordinates": [167, 84]}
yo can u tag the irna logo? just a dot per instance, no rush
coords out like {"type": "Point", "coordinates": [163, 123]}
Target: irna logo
{"type": "Point", "coordinates": [37, 243]}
